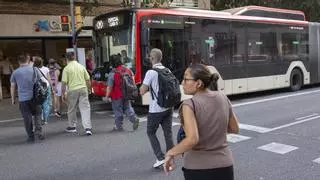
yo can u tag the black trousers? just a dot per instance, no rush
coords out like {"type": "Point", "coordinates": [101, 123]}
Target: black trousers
{"type": "Point", "coordinates": [225, 173]}
{"type": "Point", "coordinates": [165, 120]}
{"type": "Point", "coordinates": [31, 112]}
{"type": "Point", "coordinates": [5, 78]}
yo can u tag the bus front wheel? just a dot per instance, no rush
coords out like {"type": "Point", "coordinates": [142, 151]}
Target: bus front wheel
{"type": "Point", "coordinates": [296, 80]}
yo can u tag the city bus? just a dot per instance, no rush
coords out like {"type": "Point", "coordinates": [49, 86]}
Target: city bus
{"type": "Point", "coordinates": [252, 48]}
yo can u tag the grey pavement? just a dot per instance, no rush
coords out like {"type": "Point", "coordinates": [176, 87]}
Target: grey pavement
{"type": "Point", "coordinates": [9, 112]}
{"type": "Point", "coordinates": [279, 140]}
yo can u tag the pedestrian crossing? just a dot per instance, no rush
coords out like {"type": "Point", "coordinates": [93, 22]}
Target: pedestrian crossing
{"type": "Point", "coordinates": [272, 147]}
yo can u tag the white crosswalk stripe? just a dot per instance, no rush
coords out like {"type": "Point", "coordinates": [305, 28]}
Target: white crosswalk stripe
{"type": "Point", "coordinates": [278, 148]}
{"type": "Point", "coordinates": [234, 138]}
{"type": "Point", "coordinates": [317, 160]}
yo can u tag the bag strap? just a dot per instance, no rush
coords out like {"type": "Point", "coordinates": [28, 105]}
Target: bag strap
{"type": "Point", "coordinates": [34, 75]}
{"type": "Point", "coordinates": [42, 74]}
{"type": "Point", "coordinates": [153, 93]}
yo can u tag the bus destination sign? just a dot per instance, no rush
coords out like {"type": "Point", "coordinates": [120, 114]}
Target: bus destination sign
{"type": "Point", "coordinates": [110, 22]}
{"type": "Point", "coordinates": [114, 21]}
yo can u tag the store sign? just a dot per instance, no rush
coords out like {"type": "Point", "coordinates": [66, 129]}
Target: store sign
{"type": "Point", "coordinates": [41, 25]}
{"type": "Point", "coordinates": [48, 25]}
{"type": "Point", "coordinates": [55, 25]}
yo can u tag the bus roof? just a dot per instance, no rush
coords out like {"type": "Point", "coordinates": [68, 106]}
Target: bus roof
{"type": "Point", "coordinates": [226, 14]}
{"type": "Point", "coordinates": [241, 10]}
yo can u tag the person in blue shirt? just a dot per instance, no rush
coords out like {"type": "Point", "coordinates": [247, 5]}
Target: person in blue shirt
{"type": "Point", "coordinates": [23, 78]}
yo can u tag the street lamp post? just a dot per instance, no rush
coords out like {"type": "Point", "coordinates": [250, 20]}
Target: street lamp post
{"type": "Point", "coordinates": [73, 29]}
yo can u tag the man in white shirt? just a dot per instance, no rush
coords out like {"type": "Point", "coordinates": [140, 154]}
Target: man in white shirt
{"type": "Point", "coordinates": [157, 115]}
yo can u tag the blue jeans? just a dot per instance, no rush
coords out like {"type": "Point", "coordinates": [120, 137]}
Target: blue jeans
{"type": "Point", "coordinates": [121, 107]}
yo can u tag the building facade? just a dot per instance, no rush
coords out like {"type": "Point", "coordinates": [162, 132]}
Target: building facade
{"type": "Point", "coordinates": [35, 27]}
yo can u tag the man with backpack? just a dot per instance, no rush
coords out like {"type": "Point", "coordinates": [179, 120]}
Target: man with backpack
{"type": "Point", "coordinates": [24, 78]}
{"type": "Point", "coordinates": [165, 92]}
{"type": "Point", "coordinates": [121, 90]}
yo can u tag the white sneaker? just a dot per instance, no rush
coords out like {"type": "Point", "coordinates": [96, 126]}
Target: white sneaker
{"type": "Point", "coordinates": [158, 163]}
{"type": "Point", "coordinates": [88, 132]}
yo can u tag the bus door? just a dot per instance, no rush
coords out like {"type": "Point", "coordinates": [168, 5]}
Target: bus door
{"type": "Point", "coordinates": [166, 34]}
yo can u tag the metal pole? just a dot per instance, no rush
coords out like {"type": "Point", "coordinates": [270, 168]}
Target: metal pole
{"type": "Point", "coordinates": [73, 28]}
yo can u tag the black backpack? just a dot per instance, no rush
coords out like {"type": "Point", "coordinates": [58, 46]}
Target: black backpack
{"type": "Point", "coordinates": [128, 87]}
{"type": "Point", "coordinates": [169, 94]}
{"type": "Point", "coordinates": [40, 88]}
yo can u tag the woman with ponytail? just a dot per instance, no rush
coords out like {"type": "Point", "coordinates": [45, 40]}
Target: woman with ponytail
{"type": "Point", "coordinates": [206, 119]}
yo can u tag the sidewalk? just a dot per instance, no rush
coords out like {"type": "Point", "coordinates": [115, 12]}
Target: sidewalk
{"type": "Point", "coordinates": [9, 112]}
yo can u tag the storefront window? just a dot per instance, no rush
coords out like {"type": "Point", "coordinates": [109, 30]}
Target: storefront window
{"type": "Point", "coordinates": [55, 48]}
{"type": "Point", "coordinates": [12, 48]}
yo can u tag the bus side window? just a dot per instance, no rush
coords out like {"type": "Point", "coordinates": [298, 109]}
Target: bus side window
{"type": "Point", "coordinates": [238, 43]}
{"type": "Point", "coordinates": [216, 42]}
{"type": "Point", "coordinates": [261, 43]}
{"type": "Point", "coordinates": [294, 45]}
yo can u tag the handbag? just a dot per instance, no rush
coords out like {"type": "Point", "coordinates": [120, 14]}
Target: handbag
{"type": "Point", "coordinates": [181, 134]}
{"type": "Point", "coordinates": [40, 88]}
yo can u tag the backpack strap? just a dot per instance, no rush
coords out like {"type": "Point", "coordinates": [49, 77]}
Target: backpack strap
{"type": "Point", "coordinates": [153, 94]}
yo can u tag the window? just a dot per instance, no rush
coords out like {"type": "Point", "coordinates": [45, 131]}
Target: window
{"type": "Point", "coordinates": [13, 48]}
{"type": "Point", "coordinates": [193, 41]}
{"type": "Point", "coordinates": [238, 42]}
{"type": "Point", "coordinates": [294, 46]}
{"type": "Point", "coordinates": [171, 43]}
{"type": "Point", "coordinates": [55, 48]}
{"type": "Point", "coordinates": [216, 41]}
{"type": "Point", "coordinates": [261, 43]}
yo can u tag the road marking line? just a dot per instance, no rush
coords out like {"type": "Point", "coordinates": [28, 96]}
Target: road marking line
{"type": "Point", "coordinates": [258, 129]}
{"type": "Point", "coordinates": [11, 120]}
{"type": "Point", "coordinates": [278, 148]}
{"type": "Point", "coordinates": [294, 123]}
{"type": "Point", "coordinates": [175, 124]}
{"type": "Point", "coordinates": [315, 114]}
{"type": "Point", "coordinates": [317, 160]}
{"type": "Point", "coordinates": [102, 112]}
{"type": "Point", "coordinates": [274, 98]}
{"type": "Point", "coordinates": [234, 138]}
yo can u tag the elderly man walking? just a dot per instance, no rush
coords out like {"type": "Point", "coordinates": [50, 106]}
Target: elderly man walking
{"type": "Point", "coordinates": [77, 79]}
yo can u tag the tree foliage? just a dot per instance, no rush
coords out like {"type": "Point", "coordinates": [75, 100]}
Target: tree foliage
{"type": "Point", "coordinates": [309, 7]}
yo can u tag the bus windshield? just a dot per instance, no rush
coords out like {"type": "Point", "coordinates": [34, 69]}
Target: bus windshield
{"type": "Point", "coordinates": [117, 43]}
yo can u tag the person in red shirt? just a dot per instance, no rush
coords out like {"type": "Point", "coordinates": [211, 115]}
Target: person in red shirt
{"type": "Point", "coordinates": [120, 105]}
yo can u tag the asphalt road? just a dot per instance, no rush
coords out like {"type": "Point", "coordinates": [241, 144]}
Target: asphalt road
{"type": "Point", "coordinates": [279, 140]}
